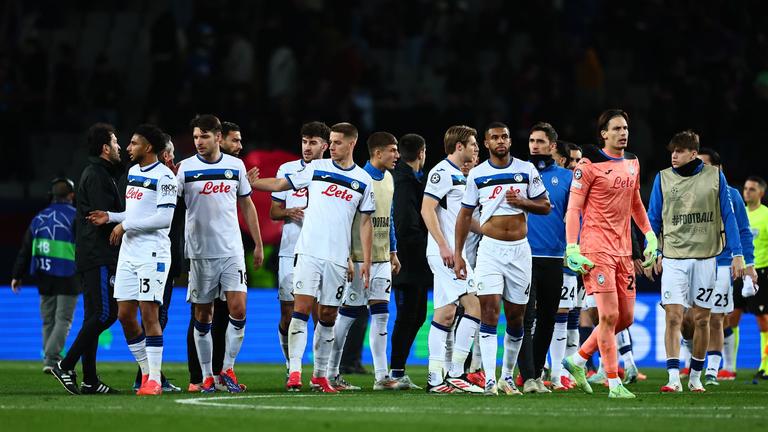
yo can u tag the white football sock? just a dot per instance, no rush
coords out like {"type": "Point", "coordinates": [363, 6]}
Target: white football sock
{"type": "Point", "coordinates": [322, 346]}
{"type": "Point", "coordinates": [438, 335]}
{"type": "Point", "coordinates": [283, 344]}
{"type": "Point", "coordinates": [477, 359]}
{"type": "Point", "coordinates": [234, 341]}
{"type": "Point", "coordinates": [155, 357]}
{"type": "Point", "coordinates": [377, 338]}
{"type": "Point", "coordinates": [344, 321]}
{"type": "Point", "coordinates": [489, 346]}
{"type": "Point", "coordinates": [138, 348]}
{"type": "Point", "coordinates": [713, 362]}
{"type": "Point", "coordinates": [297, 341]}
{"type": "Point", "coordinates": [558, 345]}
{"type": "Point", "coordinates": [465, 334]}
{"type": "Point", "coordinates": [204, 346]}
{"type": "Point", "coordinates": [513, 340]}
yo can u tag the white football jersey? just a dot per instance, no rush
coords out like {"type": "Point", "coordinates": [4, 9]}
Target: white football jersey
{"type": "Point", "coordinates": [446, 184]}
{"type": "Point", "coordinates": [487, 185]}
{"type": "Point", "coordinates": [291, 199]}
{"type": "Point", "coordinates": [335, 194]}
{"type": "Point", "coordinates": [211, 190]}
{"type": "Point", "coordinates": [148, 189]}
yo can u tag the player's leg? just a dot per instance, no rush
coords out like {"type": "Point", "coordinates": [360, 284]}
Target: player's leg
{"type": "Point", "coordinates": [379, 291]}
{"type": "Point", "coordinates": [193, 363]}
{"type": "Point", "coordinates": [285, 297]}
{"type": "Point", "coordinates": [548, 300]}
{"type": "Point", "coordinates": [204, 276]}
{"type": "Point", "coordinates": [464, 337]}
{"type": "Point", "coordinates": [306, 283]}
{"type": "Point", "coordinates": [355, 296]}
{"type": "Point", "coordinates": [152, 278]}
{"type": "Point", "coordinates": [219, 327]}
{"type": "Point", "coordinates": [330, 297]}
{"type": "Point", "coordinates": [446, 295]}
{"type": "Point", "coordinates": [560, 335]}
{"type": "Point", "coordinates": [48, 316]}
{"type": "Point", "coordinates": [722, 305]}
{"type": "Point", "coordinates": [758, 305]}
{"type": "Point", "coordinates": [687, 329]}
{"type": "Point", "coordinates": [675, 283]}
{"type": "Point", "coordinates": [702, 290]}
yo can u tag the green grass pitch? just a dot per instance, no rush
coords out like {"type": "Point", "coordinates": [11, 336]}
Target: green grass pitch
{"type": "Point", "coordinates": [30, 401]}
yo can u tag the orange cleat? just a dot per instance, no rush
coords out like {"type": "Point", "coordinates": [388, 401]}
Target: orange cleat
{"type": "Point", "coordinates": [726, 375]}
{"type": "Point", "coordinates": [294, 382]}
{"type": "Point", "coordinates": [209, 385]}
{"type": "Point", "coordinates": [322, 385]}
{"type": "Point", "coordinates": [150, 388]}
{"type": "Point", "coordinates": [477, 378]}
{"type": "Point", "coordinates": [194, 388]}
{"type": "Point", "coordinates": [684, 372]}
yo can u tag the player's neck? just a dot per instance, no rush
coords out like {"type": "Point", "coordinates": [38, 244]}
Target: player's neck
{"type": "Point", "coordinates": [414, 165]}
{"type": "Point", "coordinates": [378, 165]}
{"type": "Point", "coordinates": [753, 206]}
{"type": "Point", "coordinates": [346, 163]}
{"type": "Point", "coordinates": [214, 156]}
{"type": "Point", "coordinates": [500, 162]}
{"type": "Point", "coordinates": [148, 160]}
{"type": "Point", "coordinates": [455, 159]}
{"type": "Point", "coordinates": [613, 152]}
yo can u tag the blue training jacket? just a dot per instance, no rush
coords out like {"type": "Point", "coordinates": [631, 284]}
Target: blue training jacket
{"type": "Point", "coordinates": [546, 233]}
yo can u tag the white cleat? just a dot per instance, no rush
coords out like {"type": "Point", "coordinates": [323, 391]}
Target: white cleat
{"type": "Point", "coordinates": [672, 387]}
{"type": "Point", "coordinates": [696, 386]}
{"type": "Point", "coordinates": [507, 386]}
{"type": "Point", "coordinates": [463, 384]}
{"type": "Point", "coordinates": [491, 389]}
{"type": "Point", "coordinates": [405, 383]}
{"type": "Point", "coordinates": [386, 383]}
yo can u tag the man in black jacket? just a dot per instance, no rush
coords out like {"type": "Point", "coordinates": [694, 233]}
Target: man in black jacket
{"type": "Point", "coordinates": [95, 258]}
{"type": "Point", "coordinates": [411, 284]}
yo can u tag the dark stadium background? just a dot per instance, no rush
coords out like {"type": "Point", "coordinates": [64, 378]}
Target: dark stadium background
{"type": "Point", "coordinates": [416, 66]}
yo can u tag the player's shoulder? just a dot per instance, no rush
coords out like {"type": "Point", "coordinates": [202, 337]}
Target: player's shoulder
{"type": "Point", "coordinates": [292, 166]}
{"type": "Point", "coordinates": [163, 171]}
{"type": "Point", "coordinates": [361, 174]}
{"type": "Point", "coordinates": [231, 161]}
{"type": "Point", "coordinates": [523, 165]}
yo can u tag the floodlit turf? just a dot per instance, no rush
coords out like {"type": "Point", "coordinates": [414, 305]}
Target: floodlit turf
{"type": "Point", "coordinates": [30, 400]}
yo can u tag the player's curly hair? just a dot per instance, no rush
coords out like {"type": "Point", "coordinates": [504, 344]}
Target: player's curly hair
{"type": "Point", "coordinates": [154, 136]}
{"type": "Point", "coordinates": [457, 134]}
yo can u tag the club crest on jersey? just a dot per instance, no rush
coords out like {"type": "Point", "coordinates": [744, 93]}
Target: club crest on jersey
{"type": "Point", "coordinates": [555, 181]}
{"type": "Point", "coordinates": [112, 281]}
{"type": "Point", "coordinates": [147, 182]}
{"type": "Point", "coordinates": [435, 178]}
{"type": "Point", "coordinates": [471, 283]}
{"type": "Point", "coordinates": [601, 279]}
{"type": "Point", "coordinates": [542, 164]}
{"type": "Point", "coordinates": [352, 296]}
{"type": "Point", "coordinates": [355, 185]}
{"type": "Point", "coordinates": [667, 295]}
{"type": "Point", "coordinates": [518, 178]}
{"type": "Point", "coordinates": [299, 285]}
{"type": "Point", "coordinates": [577, 173]}
{"type": "Point", "coordinates": [632, 170]}
{"type": "Point", "coordinates": [228, 174]}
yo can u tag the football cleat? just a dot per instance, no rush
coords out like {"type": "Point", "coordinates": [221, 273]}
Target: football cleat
{"type": "Point", "coordinates": [461, 383]}
{"type": "Point", "coordinates": [620, 392]}
{"type": "Point", "coordinates": [542, 387]}
{"type": "Point", "coordinates": [441, 388]}
{"type": "Point", "coordinates": [169, 387]}
{"type": "Point", "coordinates": [696, 386]}
{"type": "Point", "coordinates": [386, 383]}
{"type": "Point", "coordinates": [294, 382]}
{"type": "Point", "coordinates": [630, 375]}
{"type": "Point", "coordinates": [340, 384]}
{"type": "Point", "coordinates": [519, 380]}
{"type": "Point", "coordinates": [675, 387]}
{"type": "Point", "coordinates": [491, 389]}
{"type": "Point", "coordinates": [566, 382]}
{"type": "Point", "coordinates": [578, 374]}
{"type": "Point", "coordinates": [229, 379]}
{"type": "Point", "coordinates": [558, 383]}
{"type": "Point", "coordinates": [726, 375]}
{"type": "Point", "coordinates": [684, 372]}
{"type": "Point", "coordinates": [322, 385]}
{"type": "Point", "coordinates": [193, 388]}
{"type": "Point", "coordinates": [405, 383]}
{"type": "Point", "coordinates": [477, 378]}
{"type": "Point", "coordinates": [507, 386]}
{"type": "Point", "coordinates": [67, 378]}
{"type": "Point", "coordinates": [47, 369]}
{"type": "Point", "coordinates": [208, 386]}
{"type": "Point", "coordinates": [150, 388]}
{"type": "Point", "coordinates": [710, 380]}
{"type": "Point", "coordinates": [598, 378]}
{"type": "Point", "coordinates": [98, 388]}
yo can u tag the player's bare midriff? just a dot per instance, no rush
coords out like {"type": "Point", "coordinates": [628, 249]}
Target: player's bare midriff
{"type": "Point", "coordinates": [506, 227]}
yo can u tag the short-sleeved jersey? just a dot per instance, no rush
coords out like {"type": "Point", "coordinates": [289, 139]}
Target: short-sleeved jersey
{"type": "Point", "coordinates": [446, 184]}
{"type": "Point", "coordinates": [291, 199]}
{"type": "Point", "coordinates": [148, 189]}
{"type": "Point", "coordinates": [609, 185]}
{"type": "Point", "coordinates": [335, 194]}
{"type": "Point", "coordinates": [488, 184]}
{"type": "Point", "coordinates": [210, 191]}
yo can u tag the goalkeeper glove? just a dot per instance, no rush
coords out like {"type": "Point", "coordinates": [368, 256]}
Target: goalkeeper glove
{"type": "Point", "coordinates": [651, 249]}
{"type": "Point", "coordinates": [575, 260]}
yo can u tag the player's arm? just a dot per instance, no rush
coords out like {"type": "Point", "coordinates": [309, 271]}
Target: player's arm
{"type": "Point", "coordinates": [252, 221]}
{"type": "Point", "coordinates": [366, 238]}
{"type": "Point", "coordinates": [22, 261]}
{"type": "Point", "coordinates": [436, 189]}
{"type": "Point", "coordinates": [745, 233]}
{"type": "Point", "coordinates": [732, 238]}
{"type": "Point", "coordinates": [394, 261]}
{"type": "Point", "coordinates": [271, 184]}
{"type": "Point", "coordinates": [579, 191]}
{"type": "Point", "coordinates": [277, 211]}
{"type": "Point", "coordinates": [535, 200]}
{"type": "Point", "coordinates": [463, 222]}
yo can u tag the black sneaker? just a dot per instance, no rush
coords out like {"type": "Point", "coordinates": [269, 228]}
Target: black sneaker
{"type": "Point", "coordinates": [98, 388]}
{"type": "Point", "coordinates": [760, 375]}
{"type": "Point", "coordinates": [67, 378]}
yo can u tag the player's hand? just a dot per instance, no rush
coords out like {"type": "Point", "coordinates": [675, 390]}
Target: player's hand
{"type": "Point", "coordinates": [751, 272]}
{"type": "Point", "coordinates": [294, 214]}
{"type": "Point", "coordinates": [460, 267]}
{"type": "Point", "coordinates": [658, 268]}
{"type": "Point", "coordinates": [738, 267]}
{"type": "Point", "coordinates": [258, 256]}
{"type": "Point", "coordinates": [98, 217]}
{"type": "Point", "coordinates": [576, 261]}
{"type": "Point", "coordinates": [515, 199]}
{"type": "Point", "coordinates": [174, 167]}
{"type": "Point", "coordinates": [750, 288]}
{"type": "Point", "coordinates": [253, 175]}
{"type": "Point", "coordinates": [394, 261]}
{"type": "Point", "coordinates": [365, 273]}
{"type": "Point", "coordinates": [651, 251]}
{"type": "Point", "coordinates": [117, 235]}
{"type": "Point", "coordinates": [350, 270]}
{"type": "Point", "coordinates": [16, 285]}
{"type": "Point", "coordinates": [446, 254]}
{"type": "Point", "coordinates": [638, 265]}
